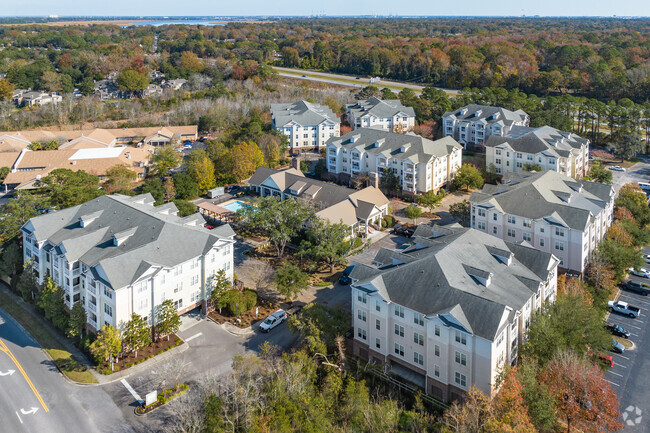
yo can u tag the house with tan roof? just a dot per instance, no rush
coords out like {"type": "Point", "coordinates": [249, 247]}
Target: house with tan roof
{"type": "Point", "coordinates": [357, 209]}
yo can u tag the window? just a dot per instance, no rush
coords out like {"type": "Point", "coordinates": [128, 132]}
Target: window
{"type": "Point", "coordinates": [179, 287]}
{"type": "Point", "coordinates": [418, 339]}
{"type": "Point", "coordinates": [512, 219]}
{"type": "Point", "coordinates": [498, 161]}
{"type": "Point", "coordinates": [378, 343]}
{"type": "Point", "coordinates": [144, 303]}
{"type": "Point", "coordinates": [494, 230]}
{"type": "Point", "coordinates": [361, 315]}
{"type": "Point", "coordinates": [519, 164]}
{"type": "Point", "coordinates": [399, 311]}
{"type": "Point", "coordinates": [461, 337]}
{"type": "Point", "coordinates": [399, 330]}
{"type": "Point", "coordinates": [418, 319]}
{"type": "Point", "coordinates": [436, 330]}
{"type": "Point", "coordinates": [195, 280]}
{"type": "Point", "coordinates": [480, 225]}
{"type": "Point", "coordinates": [378, 305]}
{"type": "Point", "coordinates": [377, 324]}
{"type": "Point", "coordinates": [460, 379]}
{"type": "Point", "coordinates": [559, 246]}
{"type": "Point", "coordinates": [418, 358]}
{"type": "Point", "coordinates": [436, 371]}
{"type": "Point", "coordinates": [108, 310]}
{"type": "Point", "coordinates": [361, 297]}
{"type": "Point", "coordinates": [527, 223]}
{"type": "Point", "coordinates": [494, 216]}
{"type": "Point", "coordinates": [178, 270]}
{"type": "Point", "coordinates": [481, 212]}
{"type": "Point", "coordinates": [511, 233]}
{"type": "Point", "coordinates": [436, 350]}
{"type": "Point", "coordinates": [519, 155]}
{"type": "Point", "coordinates": [461, 358]}
{"type": "Point", "coordinates": [541, 229]}
{"type": "Point", "coordinates": [399, 349]}
{"type": "Point", "coordinates": [527, 237]}
{"type": "Point", "coordinates": [559, 232]}
{"type": "Point", "coordinates": [498, 152]}
{"type": "Point", "coordinates": [529, 157]}
{"type": "Point", "coordinates": [361, 333]}
{"type": "Point", "coordinates": [107, 292]}
{"type": "Point", "coordinates": [178, 304]}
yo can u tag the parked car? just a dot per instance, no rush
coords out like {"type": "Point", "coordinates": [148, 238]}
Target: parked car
{"type": "Point", "coordinates": [617, 347]}
{"type": "Point", "coordinates": [608, 360]}
{"type": "Point", "coordinates": [273, 320]}
{"type": "Point", "coordinates": [646, 257]}
{"type": "Point", "coordinates": [640, 272]}
{"type": "Point", "coordinates": [345, 279]}
{"type": "Point", "coordinates": [208, 226]}
{"type": "Point", "coordinates": [624, 308]}
{"type": "Point", "coordinates": [616, 168]}
{"type": "Point", "coordinates": [617, 330]}
{"type": "Point", "coordinates": [636, 287]}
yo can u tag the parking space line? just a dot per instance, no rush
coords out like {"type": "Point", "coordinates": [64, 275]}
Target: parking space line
{"type": "Point", "coordinates": [615, 373]}
{"type": "Point", "coordinates": [193, 337]}
{"type": "Point", "coordinates": [627, 299]}
{"type": "Point", "coordinates": [615, 384]}
{"type": "Point", "coordinates": [131, 390]}
{"type": "Point", "coordinates": [627, 324]}
{"type": "Point", "coordinates": [618, 354]}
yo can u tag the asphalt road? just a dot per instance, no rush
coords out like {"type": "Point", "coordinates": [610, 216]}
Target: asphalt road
{"type": "Point", "coordinates": [34, 396]}
{"type": "Point", "coordinates": [629, 376]}
{"type": "Point", "coordinates": [639, 172]}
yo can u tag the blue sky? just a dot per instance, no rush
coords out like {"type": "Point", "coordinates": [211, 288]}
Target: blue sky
{"type": "Point", "coordinates": [328, 7]}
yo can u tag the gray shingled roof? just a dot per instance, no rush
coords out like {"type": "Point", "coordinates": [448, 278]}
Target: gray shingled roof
{"type": "Point", "coordinates": [543, 139]}
{"type": "Point", "coordinates": [152, 238]}
{"type": "Point", "coordinates": [435, 278]}
{"type": "Point", "coordinates": [379, 108]}
{"type": "Point", "coordinates": [302, 112]}
{"type": "Point", "coordinates": [375, 141]}
{"type": "Point", "coordinates": [486, 113]}
{"type": "Point", "coordinates": [547, 194]}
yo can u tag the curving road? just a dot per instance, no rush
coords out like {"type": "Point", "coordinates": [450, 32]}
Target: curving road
{"type": "Point", "coordinates": [34, 396]}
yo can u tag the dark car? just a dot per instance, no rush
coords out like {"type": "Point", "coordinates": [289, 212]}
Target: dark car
{"type": "Point", "coordinates": [617, 330]}
{"type": "Point", "coordinates": [345, 279]}
{"type": "Point", "coordinates": [636, 287]}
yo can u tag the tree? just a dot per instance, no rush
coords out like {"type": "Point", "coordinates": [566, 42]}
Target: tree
{"type": "Point", "coordinates": [51, 300]}
{"type": "Point", "coordinates": [16, 212]}
{"type": "Point", "coordinates": [51, 82]}
{"type": "Point", "coordinates": [538, 399]}
{"type": "Point", "coordinates": [185, 207]}
{"type": "Point", "coordinates": [270, 146]}
{"type": "Point", "coordinates": [387, 93]}
{"type": "Point", "coordinates": [201, 169]}
{"type": "Point", "coordinates": [51, 145]}
{"type": "Point", "coordinates": [185, 186]}
{"type": "Point", "coordinates": [136, 334]}
{"type": "Point", "coordinates": [509, 407]}
{"type": "Point", "coordinates": [461, 211]}
{"type": "Point", "coordinates": [120, 178]}
{"type": "Point", "coordinates": [35, 145]}
{"type": "Point", "coordinates": [413, 212]}
{"type": "Point", "coordinates": [430, 199]}
{"type": "Point", "coordinates": [11, 258]}
{"type": "Point", "coordinates": [389, 181]}
{"type": "Point", "coordinates": [368, 92]}
{"type": "Point", "coordinates": [107, 345]}
{"type": "Point", "coordinates": [318, 327]}
{"type": "Point", "coordinates": [165, 159]}
{"type": "Point", "coordinates": [290, 281]}
{"type": "Point", "coordinates": [77, 321]}
{"type": "Point", "coordinates": [191, 61]}
{"type": "Point", "coordinates": [4, 171]}
{"type": "Point", "coordinates": [598, 173]}
{"type": "Point", "coordinates": [584, 399]}
{"type": "Point", "coordinates": [628, 145]}
{"type": "Point", "coordinates": [600, 274]}
{"type": "Point", "coordinates": [27, 281]}
{"type": "Point", "coordinates": [467, 176]}
{"type": "Point", "coordinates": [154, 186]}
{"type": "Point", "coordinates": [67, 188]}
{"type": "Point", "coordinates": [326, 242]}
{"type": "Point", "coordinates": [532, 167]}
{"type": "Point", "coordinates": [6, 90]}
{"type": "Point", "coordinates": [631, 197]}
{"type": "Point", "coordinates": [169, 189]}
{"type": "Point", "coordinates": [218, 285]}
{"type": "Point", "coordinates": [247, 157]}
{"type": "Point", "coordinates": [132, 81]}
{"type": "Point", "coordinates": [279, 220]}
{"type": "Point", "coordinates": [87, 86]}
{"type": "Point", "coordinates": [169, 321]}
{"type": "Point", "coordinates": [620, 257]}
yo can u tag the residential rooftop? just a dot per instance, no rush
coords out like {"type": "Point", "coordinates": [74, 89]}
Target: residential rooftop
{"type": "Point", "coordinates": [545, 139]}
{"type": "Point", "coordinates": [303, 113]}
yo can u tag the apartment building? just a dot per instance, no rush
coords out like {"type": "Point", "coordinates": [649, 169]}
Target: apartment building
{"type": "Point", "coordinates": [421, 164]}
{"type": "Point", "coordinates": [119, 255]}
{"type": "Point", "coordinates": [389, 115]}
{"type": "Point", "coordinates": [473, 124]}
{"type": "Point", "coordinates": [548, 210]}
{"type": "Point", "coordinates": [30, 98]}
{"type": "Point", "coordinates": [307, 125]}
{"type": "Point", "coordinates": [550, 148]}
{"type": "Point", "coordinates": [451, 309]}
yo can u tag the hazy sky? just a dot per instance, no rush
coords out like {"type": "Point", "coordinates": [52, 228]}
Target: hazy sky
{"type": "Point", "coordinates": [328, 7]}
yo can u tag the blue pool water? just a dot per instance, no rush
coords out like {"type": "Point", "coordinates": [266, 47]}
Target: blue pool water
{"type": "Point", "coordinates": [235, 206]}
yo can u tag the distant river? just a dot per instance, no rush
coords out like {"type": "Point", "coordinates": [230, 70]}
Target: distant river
{"type": "Point", "coordinates": [186, 22]}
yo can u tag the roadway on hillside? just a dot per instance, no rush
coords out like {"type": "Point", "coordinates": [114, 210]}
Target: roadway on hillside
{"type": "Point", "coordinates": [34, 396]}
{"type": "Point", "coordinates": [349, 80]}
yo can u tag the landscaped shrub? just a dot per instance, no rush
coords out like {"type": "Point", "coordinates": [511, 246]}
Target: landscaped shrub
{"type": "Point", "coordinates": [250, 298]}
{"type": "Point", "coordinates": [388, 221]}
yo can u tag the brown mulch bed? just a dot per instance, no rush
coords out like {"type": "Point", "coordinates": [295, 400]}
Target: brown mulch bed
{"type": "Point", "coordinates": [248, 318]}
{"type": "Point", "coordinates": [155, 348]}
{"type": "Point", "coordinates": [430, 215]}
{"type": "Point", "coordinates": [163, 398]}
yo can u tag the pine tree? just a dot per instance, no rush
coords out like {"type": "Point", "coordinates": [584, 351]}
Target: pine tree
{"type": "Point", "coordinates": [168, 320]}
{"type": "Point", "coordinates": [77, 321]}
{"type": "Point", "coordinates": [27, 281]}
{"type": "Point", "coordinates": [136, 334]}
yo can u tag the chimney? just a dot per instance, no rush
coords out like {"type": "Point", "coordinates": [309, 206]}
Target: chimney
{"type": "Point", "coordinates": [374, 179]}
{"type": "Point", "coordinates": [295, 163]}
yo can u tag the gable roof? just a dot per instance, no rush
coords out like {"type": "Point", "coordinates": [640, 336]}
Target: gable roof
{"type": "Point", "coordinates": [157, 238]}
{"type": "Point", "coordinates": [487, 114]}
{"type": "Point", "coordinates": [379, 108]}
{"type": "Point", "coordinates": [543, 139]}
{"type": "Point", "coordinates": [303, 113]}
{"type": "Point", "coordinates": [548, 194]}
{"type": "Point", "coordinates": [435, 275]}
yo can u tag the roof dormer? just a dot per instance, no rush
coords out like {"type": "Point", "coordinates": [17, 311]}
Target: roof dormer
{"type": "Point", "coordinates": [404, 147]}
{"type": "Point", "coordinates": [482, 277]}
{"type": "Point", "coordinates": [503, 256]}
{"type": "Point", "coordinates": [378, 143]}
{"type": "Point", "coordinates": [120, 237]}
{"type": "Point", "coordinates": [86, 220]}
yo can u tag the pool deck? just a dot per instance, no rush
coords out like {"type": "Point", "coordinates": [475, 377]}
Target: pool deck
{"type": "Point", "coordinates": [213, 209]}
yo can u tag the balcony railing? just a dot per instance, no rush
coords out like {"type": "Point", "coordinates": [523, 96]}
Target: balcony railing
{"type": "Point", "coordinates": [92, 307]}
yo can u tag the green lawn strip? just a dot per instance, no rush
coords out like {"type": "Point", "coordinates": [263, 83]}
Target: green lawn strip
{"type": "Point", "coordinates": [63, 359]}
{"type": "Point", "coordinates": [624, 341]}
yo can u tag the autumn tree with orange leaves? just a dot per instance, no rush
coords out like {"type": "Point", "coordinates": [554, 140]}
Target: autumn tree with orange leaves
{"type": "Point", "coordinates": [584, 399]}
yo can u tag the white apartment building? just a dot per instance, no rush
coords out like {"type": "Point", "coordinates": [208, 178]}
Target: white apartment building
{"type": "Point", "coordinates": [473, 124]}
{"type": "Point", "coordinates": [421, 164]}
{"type": "Point", "coordinates": [119, 255]}
{"type": "Point", "coordinates": [389, 115]}
{"type": "Point", "coordinates": [550, 211]}
{"type": "Point", "coordinates": [550, 148]}
{"type": "Point", "coordinates": [307, 125]}
{"type": "Point", "coordinates": [452, 309]}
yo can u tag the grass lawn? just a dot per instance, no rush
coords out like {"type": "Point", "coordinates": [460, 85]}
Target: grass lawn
{"type": "Point", "coordinates": [63, 359]}
{"type": "Point", "coordinates": [624, 341]}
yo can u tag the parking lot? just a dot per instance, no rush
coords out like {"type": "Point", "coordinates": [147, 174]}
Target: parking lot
{"type": "Point", "coordinates": [629, 376]}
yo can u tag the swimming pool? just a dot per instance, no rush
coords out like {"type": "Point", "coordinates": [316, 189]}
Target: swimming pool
{"type": "Point", "coordinates": [234, 206]}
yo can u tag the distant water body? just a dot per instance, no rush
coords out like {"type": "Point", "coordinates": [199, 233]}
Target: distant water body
{"type": "Point", "coordinates": [186, 22]}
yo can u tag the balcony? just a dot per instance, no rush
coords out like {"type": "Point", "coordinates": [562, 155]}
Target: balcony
{"type": "Point", "coordinates": [92, 307]}
{"type": "Point", "coordinates": [409, 169]}
{"type": "Point", "coordinates": [76, 288]}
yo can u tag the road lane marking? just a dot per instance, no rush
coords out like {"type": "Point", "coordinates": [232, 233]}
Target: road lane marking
{"type": "Point", "coordinates": [8, 373]}
{"type": "Point", "coordinates": [32, 411]}
{"type": "Point", "coordinates": [131, 390]}
{"type": "Point", "coordinates": [194, 336]}
{"type": "Point", "coordinates": [21, 421]}
{"type": "Point", "coordinates": [5, 349]}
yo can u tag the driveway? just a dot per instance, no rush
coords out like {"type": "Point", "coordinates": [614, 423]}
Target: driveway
{"type": "Point", "coordinates": [629, 376]}
{"type": "Point", "coordinates": [639, 172]}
